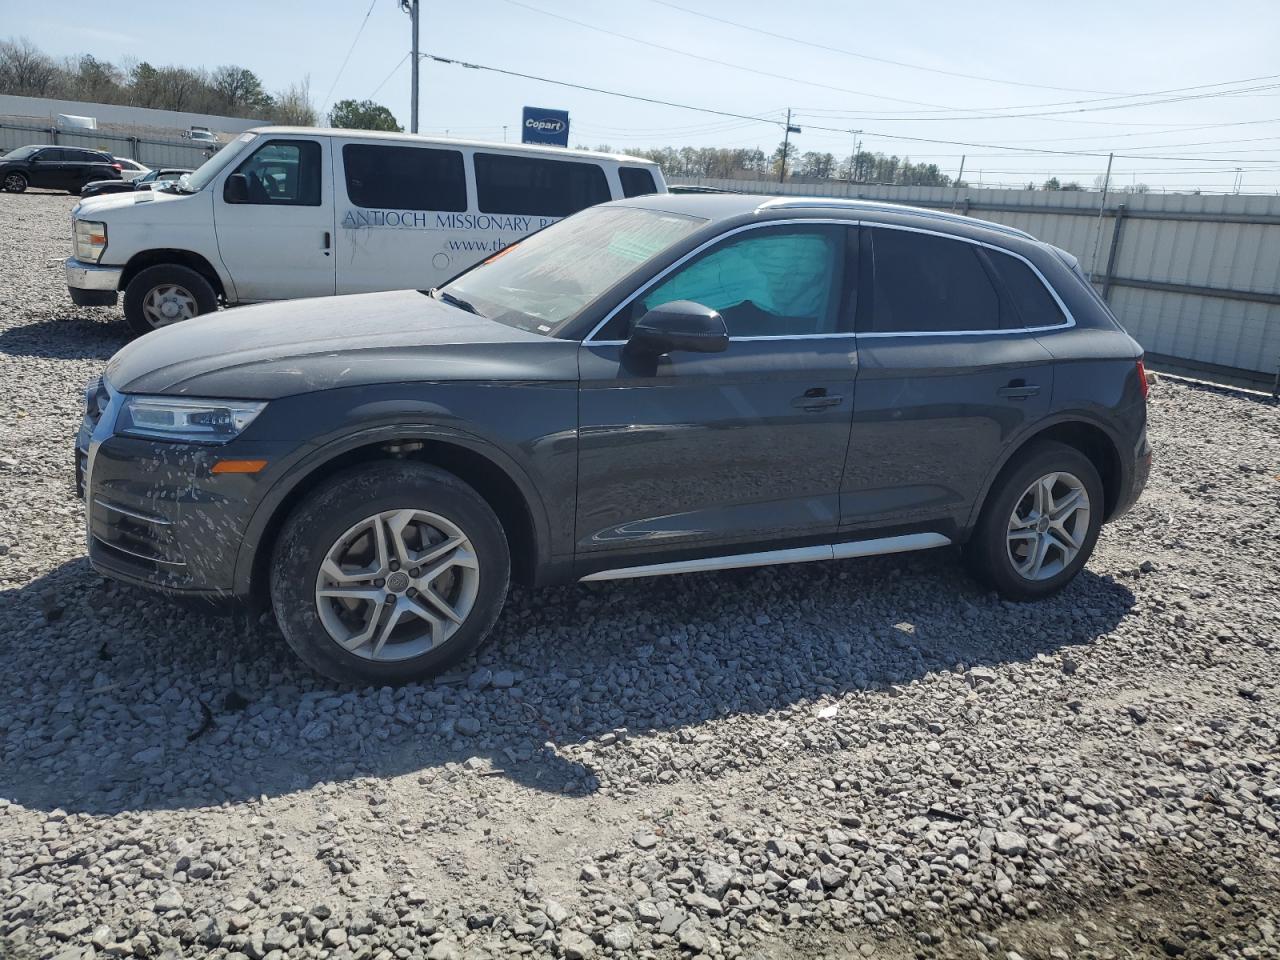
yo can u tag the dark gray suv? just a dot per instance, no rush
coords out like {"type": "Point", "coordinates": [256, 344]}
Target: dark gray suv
{"type": "Point", "coordinates": [652, 386]}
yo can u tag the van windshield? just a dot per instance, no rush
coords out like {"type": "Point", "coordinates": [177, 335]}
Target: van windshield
{"type": "Point", "coordinates": [194, 182]}
{"type": "Point", "coordinates": [546, 279]}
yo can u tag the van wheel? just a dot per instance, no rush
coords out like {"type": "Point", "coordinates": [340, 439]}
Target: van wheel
{"type": "Point", "coordinates": [15, 183]}
{"type": "Point", "coordinates": [1040, 523]}
{"type": "Point", "coordinates": [389, 573]}
{"type": "Point", "coordinates": [165, 294]}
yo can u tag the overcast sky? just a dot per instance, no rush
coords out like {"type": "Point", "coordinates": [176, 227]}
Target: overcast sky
{"type": "Point", "coordinates": [1030, 53]}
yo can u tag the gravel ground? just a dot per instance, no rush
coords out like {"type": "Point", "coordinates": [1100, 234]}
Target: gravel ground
{"type": "Point", "coordinates": [865, 758]}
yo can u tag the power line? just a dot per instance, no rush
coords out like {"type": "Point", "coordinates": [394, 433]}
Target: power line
{"type": "Point", "coordinates": [761, 119]}
{"type": "Point", "coordinates": [350, 50]}
{"type": "Point", "coordinates": [866, 56]}
{"type": "Point", "coordinates": [398, 65]}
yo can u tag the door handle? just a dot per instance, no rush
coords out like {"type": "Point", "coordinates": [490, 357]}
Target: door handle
{"type": "Point", "coordinates": [326, 243]}
{"type": "Point", "coordinates": [817, 398]}
{"type": "Point", "coordinates": [1018, 390]}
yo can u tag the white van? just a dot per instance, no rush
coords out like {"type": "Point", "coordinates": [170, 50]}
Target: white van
{"type": "Point", "coordinates": [285, 212]}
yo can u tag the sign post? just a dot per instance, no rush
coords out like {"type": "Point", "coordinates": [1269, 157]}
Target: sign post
{"type": "Point", "coordinates": [545, 126]}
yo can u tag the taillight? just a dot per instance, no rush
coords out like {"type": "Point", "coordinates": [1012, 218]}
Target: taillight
{"type": "Point", "coordinates": [1142, 379]}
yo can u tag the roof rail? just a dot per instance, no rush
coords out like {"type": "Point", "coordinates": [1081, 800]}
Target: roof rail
{"type": "Point", "coordinates": [784, 203]}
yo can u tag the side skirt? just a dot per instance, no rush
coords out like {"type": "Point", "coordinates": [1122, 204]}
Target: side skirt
{"type": "Point", "coordinates": [830, 551]}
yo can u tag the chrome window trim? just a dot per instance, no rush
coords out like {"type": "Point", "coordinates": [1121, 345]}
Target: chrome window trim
{"type": "Point", "coordinates": [872, 335]}
{"type": "Point", "coordinates": [1000, 331]}
{"type": "Point", "coordinates": [804, 221]}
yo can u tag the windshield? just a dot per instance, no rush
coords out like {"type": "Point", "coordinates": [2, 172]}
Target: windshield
{"type": "Point", "coordinates": [193, 182]}
{"type": "Point", "coordinates": [21, 153]}
{"type": "Point", "coordinates": [547, 278]}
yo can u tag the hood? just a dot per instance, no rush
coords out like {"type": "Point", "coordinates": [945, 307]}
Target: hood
{"type": "Point", "coordinates": [127, 200]}
{"type": "Point", "coordinates": [302, 346]}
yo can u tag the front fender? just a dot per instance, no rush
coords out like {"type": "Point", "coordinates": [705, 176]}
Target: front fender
{"type": "Point", "coordinates": [277, 497]}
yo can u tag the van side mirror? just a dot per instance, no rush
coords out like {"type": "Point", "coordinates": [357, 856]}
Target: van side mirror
{"type": "Point", "coordinates": [236, 189]}
{"type": "Point", "coordinates": [679, 325]}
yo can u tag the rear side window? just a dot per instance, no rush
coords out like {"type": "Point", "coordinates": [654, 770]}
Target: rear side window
{"type": "Point", "coordinates": [406, 178]}
{"type": "Point", "coordinates": [537, 187]}
{"type": "Point", "coordinates": [1032, 302]}
{"type": "Point", "coordinates": [925, 284]}
{"type": "Point", "coordinates": [636, 182]}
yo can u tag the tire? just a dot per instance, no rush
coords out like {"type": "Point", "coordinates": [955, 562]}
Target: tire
{"type": "Point", "coordinates": [337, 522]}
{"type": "Point", "coordinates": [1012, 530]}
{"type": "Point", "coordinates": [15, 183]}
{"type": "Point", "coordinates": [144, 297]}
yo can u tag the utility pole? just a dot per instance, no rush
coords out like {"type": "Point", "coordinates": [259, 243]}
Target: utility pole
{"type": "Point", "coordinates": [960, 175]}
{"type": "Point", "coordinates": [411, 8]}
{"type": "Point", "coordinates": [786, 144]}
{"type": "Point", "coordinates": [1102, 206]}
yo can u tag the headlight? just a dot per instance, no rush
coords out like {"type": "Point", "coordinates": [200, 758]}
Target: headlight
{"type": "Point", "coordinates": [91, 240]}
{"type": "Point", "coordinates": [187, 419]}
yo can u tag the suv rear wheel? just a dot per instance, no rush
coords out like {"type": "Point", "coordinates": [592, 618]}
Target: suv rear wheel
{"type": "Point", "coordinates": [1040, 523]}
{"type": "Point", "coordinates": [389, 573]}
{"type": "Point", "coordinates": [165, 294]}
{"type": "Point", "coordinates": [15, 183]}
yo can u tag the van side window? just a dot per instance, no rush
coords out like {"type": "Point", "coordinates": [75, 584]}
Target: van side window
{"type": "Point", "coordinates": [285, 172]}
{"type": "Point", "coordinates": [406, 178]}
{"type": "Point", "coordinates": [536, 187]}
{"type": "Point", "coordinates": [1034, 305]}
{"type": "Point", "coordinates": [924, 284]}
{"type": "Point", "coordinates": [636, 182]}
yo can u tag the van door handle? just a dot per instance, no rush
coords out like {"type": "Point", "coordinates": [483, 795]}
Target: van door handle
{"type": "Point", "coordinates": [326, 243]}
{"type": "Point", "coordinates": [817, 398]}
{"type": "Point", "coordinates": [1018, 390]}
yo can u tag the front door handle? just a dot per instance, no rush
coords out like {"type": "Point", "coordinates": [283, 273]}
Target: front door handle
{"type": "Point", "coordinates": [817, 398]}
{"type": "Point", "coordinates": [1018, 390]}
{"type": "Point", "coordinates": [326, 243]}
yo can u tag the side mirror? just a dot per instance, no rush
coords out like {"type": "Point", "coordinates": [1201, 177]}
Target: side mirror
{"type": "Point", "coordinates": [679, 325]}
{"type": "Point", "coordinates": [236, 189]}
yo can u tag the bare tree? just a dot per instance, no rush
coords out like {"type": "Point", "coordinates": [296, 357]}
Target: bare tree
{"type": "Point", "coordinates": [25, 70]}
{"type": "Point", "coordinates": [293, 106]}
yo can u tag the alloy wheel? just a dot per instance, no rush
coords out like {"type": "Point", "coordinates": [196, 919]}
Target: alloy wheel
{"type": "Point", "coordinates": [1048, 526]}
{"type": "Point", "coordinates": [168, 303]}
{"type": "Point", "coordinates": [15, 183]}
{"type": "Point", "coordinates": [397, 584]}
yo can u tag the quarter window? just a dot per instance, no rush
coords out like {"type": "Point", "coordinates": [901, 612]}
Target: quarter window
{"type": "Point", "coordinates": [636, 182]}
{"type": "Point", "coordinates": [765, 283]}
{"type": "Point", "coordinates": [533, 186]}
{"type": "Point", "coordinates": [925, 284]}
{"type": "Point", "coordinates": [284, 172]}
{"type": "Point", "coordinates": [406, 178]}
{"type": "Point", "coordinates": [1033, 304]}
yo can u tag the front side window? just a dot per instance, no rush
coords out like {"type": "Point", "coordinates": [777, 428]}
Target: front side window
{"type": "Point", "coordinates": [284, 172]}
{"type": "Point", "coordinates": [51, 155]}
{"type": "Point", "coordinates": [765, 283]}
{"type": "Point", "coordinates": [636, 182]}
{"type": "Point", "coordinates": [546, 279]}
{"type": "Point", "coordinates": [924, 283]}
{"type": "Point", "coordinates": [406, 178]}
{"type": "Point", "coordinates": [537, 187]}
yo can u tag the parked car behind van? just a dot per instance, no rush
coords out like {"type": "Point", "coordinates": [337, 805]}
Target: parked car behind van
{"type": "Point", "coordinates": [55, 168]}
{"type": "Point", "coordinates": [285, 212]}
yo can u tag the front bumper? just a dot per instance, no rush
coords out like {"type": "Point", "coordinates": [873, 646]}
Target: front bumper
{"type": "Point", "coordinates": [155, 513]}
{"type": "Point", "coordinates": [91, 284]}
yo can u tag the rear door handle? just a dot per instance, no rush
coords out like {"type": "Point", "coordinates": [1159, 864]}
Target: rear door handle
{"type": "Point", "coordinates": [326, 243]}
{"type": "Point", "coordinates": [817, 398]}
{"type": "Point", "coordinates": [1018, 390]}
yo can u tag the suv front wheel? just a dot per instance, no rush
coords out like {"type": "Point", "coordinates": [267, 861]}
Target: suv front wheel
{"type": "Point", "coordinates": [389, 573]}
{"type": "Point", "coordinates": [1040, 523]}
